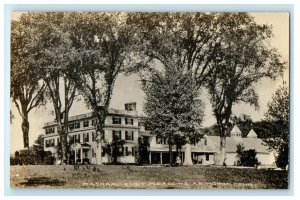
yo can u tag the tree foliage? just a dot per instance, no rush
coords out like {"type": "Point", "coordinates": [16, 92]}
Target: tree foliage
{"type": "Point", "coordinates": [172, 107]}
{"type": "Point", "coordinates": [183, 41]}
{"type": "Point", "coordinates": [246, 157]}
{"type": "Point", "coordinates": [52, 53]}
{"type": "Point", "coordinates": [278, 118]}
{"type": "Point", "coordinates": [103, 43]}
{"type": "Point", "coordinates": [26, 91]}
{"type": "Point", "coordinates": [242, 59]}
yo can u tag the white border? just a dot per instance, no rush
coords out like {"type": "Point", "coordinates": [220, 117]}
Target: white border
{"type": "Point", "coordinates": [294, 92]}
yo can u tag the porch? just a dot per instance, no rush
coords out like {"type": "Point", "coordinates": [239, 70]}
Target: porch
{"type": "Point", "coordinates": [81, 153]}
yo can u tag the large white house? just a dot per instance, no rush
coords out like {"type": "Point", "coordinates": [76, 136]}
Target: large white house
{"type": "Point", "coordinates": [119, 124]}
{"type": "Point", "coordinates": [127, 125]}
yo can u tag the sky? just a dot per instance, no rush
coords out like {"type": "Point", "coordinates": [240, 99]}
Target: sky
{"type": "Point", "coordinates": [127, 89]}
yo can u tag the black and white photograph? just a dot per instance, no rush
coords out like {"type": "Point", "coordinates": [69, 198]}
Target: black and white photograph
{"type": "Point", "coordinates": [150, 100]}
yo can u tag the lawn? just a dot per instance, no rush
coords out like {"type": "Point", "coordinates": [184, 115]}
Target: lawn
{"type": "Point", "coordinates": [121, 176]}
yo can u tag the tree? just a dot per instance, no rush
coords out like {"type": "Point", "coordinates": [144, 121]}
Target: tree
{"type": "Point", "coordinates": [52, 54]}
{"type": "Point", "coordinates": [183, 41]}
{"type": "Point", "coordinates": [103, 45]}
{"type": "Point", "coordinates": [278, 116]}
{"type": "Point", "coordinates": [172, 107]}
{"type": "Point", "coordinates": [186, 42]}
{"type": "Point", "coordinates": [246, 157]}
{"type": "Point", "coordinates": [114, 149]}
{"type": "Point", "coordinates": [142, 153]}
{"type": "Point", "coordinates": [27, 92]}
{"type": "Point", "coordinates": [242, 59]}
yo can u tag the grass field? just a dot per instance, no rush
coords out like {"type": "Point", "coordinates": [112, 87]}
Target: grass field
{"type": "Point", "coordinates": [121, 176]}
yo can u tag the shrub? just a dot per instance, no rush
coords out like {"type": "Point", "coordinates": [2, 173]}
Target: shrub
{"type": "Point", "coordinates": [246, 157]}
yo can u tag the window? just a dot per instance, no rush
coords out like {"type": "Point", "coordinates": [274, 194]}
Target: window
{"type": "Point", "coordinates": [52, 142]}
{"type": "Point", "coordinates": [207, 157]}
{"type": "Point", "coordinates": [126, 153]}
{"type": "Point", "coordinates": [86, 123]}
{"type": "Point", "coordinates": [132, 151]}
{"type": "Point", "coordinates": [158, 140]}
{"type": "Point", "coordinates": [205, 141]}
{"type": "Point", "coordinates": [116, 135]}
{"type": "Point", "coordinates": [161, 140]}
{"type": "Point", "coordinates": [58, 141]}
{"type": "Point", "coordinates": [93, 153]}
{"type": "Point", "coordinates": [93, 136]}
{"type": "Point", "coordinates": [77, 124]}
{"type": "Point", "coordinates": [77, 138]}
{"type": "Point", "coordinates": [46, 143]}
{"type": "Point", "coordinates": [86, 137]}
{"type": "Point", "coordinates": [94, 122]}
{"type": "Point", "coordinates": [71, 139]}
{"type": "Point", "coordinates": [71, 126]}
{"type": "Point", "coordinates": [116, 120]}
{"type": "Point", "coordinates": [128, 135]}
{"type": "Point", "coordinates": [50, 130]}
{"type": "Point", "coordinates": [129, 121]}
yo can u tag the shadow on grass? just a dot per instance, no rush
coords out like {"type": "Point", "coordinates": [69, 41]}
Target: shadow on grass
{"type": "Point", "coordinates": [36, 181]}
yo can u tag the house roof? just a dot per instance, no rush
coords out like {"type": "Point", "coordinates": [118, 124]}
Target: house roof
{"type": "Point", "coordinates": [252, 134]}
{"type": "Point", "coordinates": [235, 129]}
{"type": "Point", "coordinates": [249, 143]}
{"type": "Point", "coordinates": [111, 112]}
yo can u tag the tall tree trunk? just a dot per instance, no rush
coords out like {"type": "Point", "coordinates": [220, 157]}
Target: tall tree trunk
{"type": "Point", "coordinates": [66, 129]}
{"type": "Point", "coordinates": [25, 129]}
{"type": "Point", "coordinates": [99, 133]}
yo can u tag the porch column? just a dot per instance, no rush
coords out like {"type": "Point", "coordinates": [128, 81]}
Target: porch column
{"type": "Point", "coordinates": [160, 157]}
{"type": "Point", "coordinates": [150, 157]}
{"type": "Point", "coordinates": [81, 155]}
{"type": "Point", "coordinates": [75, 151]}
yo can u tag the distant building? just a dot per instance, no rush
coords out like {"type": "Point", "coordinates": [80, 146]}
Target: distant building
{"type": "Point", "coordinates": [264, 155]}
{"type": "Point", "coordinates": [127, 125]}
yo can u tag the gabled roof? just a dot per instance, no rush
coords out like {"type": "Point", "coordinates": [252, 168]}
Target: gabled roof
{"type": "Point", "coordinates": [249, 143]}
{"type": "Point", "coordinates": [235, 130]}
{"type": "Point", "coordinates": [252, 134]}
{"type": "Point", "coordinates": [201, 147]}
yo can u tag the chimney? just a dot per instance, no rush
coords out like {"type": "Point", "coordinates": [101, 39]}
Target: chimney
{"type": "Point", "coordinates": [130, 106]}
